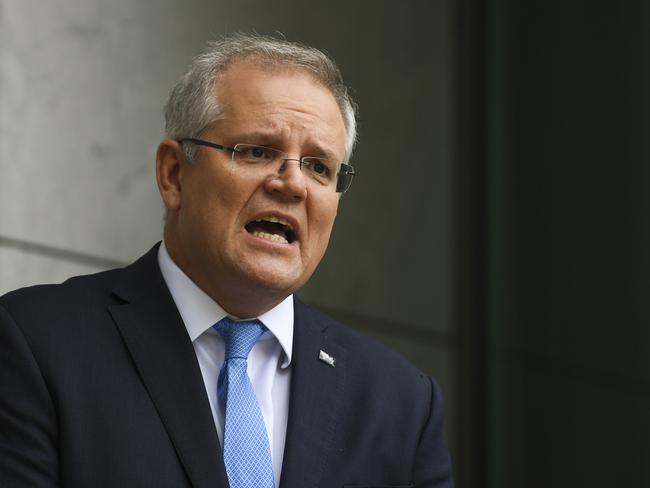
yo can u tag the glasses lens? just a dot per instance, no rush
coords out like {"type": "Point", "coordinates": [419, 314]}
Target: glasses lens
{"type": "Point", "coordinates": [321, 170]}
{"type": "Point", "coordinates": [344, 180]}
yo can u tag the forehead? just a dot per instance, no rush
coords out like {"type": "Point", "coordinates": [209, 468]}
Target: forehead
{"type": "Point", "coordinates": [288, 104]}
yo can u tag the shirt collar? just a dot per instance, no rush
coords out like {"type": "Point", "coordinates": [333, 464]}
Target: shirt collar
{"type": "Point", "coordinates": [200, 312]}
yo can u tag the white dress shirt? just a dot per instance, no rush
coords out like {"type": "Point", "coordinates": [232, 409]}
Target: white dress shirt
{"type": "Point", "coordinates": [268, 362]}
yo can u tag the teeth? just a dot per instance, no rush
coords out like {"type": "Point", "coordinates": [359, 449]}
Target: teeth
{"type": "Point", "coordinates": [271, 237]}
{"type": "Point", "coordinates": [275, 220]}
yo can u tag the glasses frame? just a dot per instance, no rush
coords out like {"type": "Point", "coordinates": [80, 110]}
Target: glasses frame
{"type": "Point", "coordinates": [344, 176]}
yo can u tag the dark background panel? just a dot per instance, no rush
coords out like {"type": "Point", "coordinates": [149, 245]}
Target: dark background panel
{"type": "Point", "coordinates": [567, 228]}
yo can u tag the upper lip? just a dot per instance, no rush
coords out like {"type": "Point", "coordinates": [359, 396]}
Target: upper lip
{"type": "Point", "coordinates": [282, 218]}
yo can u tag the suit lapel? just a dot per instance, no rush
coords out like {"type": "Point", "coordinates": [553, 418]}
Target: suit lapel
{"type": "Point", "coordinates": [165, 359]}
{"type": "Point", "coordinates": [317, 394]}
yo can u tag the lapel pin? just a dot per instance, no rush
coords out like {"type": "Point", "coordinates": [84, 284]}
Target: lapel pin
{"type": "Point", "coordinates": [326, 358]}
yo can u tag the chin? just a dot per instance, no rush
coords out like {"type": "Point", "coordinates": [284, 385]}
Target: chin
{"type": "Point", "coordinates": [280, 282]}
{"type": "Point", "coordinates": [281, 278]}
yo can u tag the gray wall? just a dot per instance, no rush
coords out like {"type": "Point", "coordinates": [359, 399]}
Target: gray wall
{"type": "Point", "coordinates": [81, 89]}
{"type": "Point", "coordinates": [82, 84]}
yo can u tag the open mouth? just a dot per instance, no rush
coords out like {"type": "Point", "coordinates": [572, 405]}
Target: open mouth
{"type": "Point", "coordinates": [272, 229]}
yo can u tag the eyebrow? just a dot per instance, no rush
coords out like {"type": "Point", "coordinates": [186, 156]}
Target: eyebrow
{"type": "Point", "coordinates": [258, 137]}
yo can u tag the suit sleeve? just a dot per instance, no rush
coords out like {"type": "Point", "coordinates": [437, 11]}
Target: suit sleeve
{"type": "Point", "coordinates": [432, 467]}
{"type": "Point", "coordinates": [28, 433]}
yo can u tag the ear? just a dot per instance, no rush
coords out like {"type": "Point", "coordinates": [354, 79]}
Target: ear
{"type": "Point", "coordinates": [170, 162]}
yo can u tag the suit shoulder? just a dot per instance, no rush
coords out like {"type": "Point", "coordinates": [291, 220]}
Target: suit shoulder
{"type": "Point", "coordinates": [53, 298]}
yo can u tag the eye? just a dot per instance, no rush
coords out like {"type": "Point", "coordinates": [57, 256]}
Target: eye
{"type": "Point", "coordinates": [318, 167]}
{"type": "Point", "coordinates": [257, 152]}
{"type": "Point", "coordinates": [254, 154]}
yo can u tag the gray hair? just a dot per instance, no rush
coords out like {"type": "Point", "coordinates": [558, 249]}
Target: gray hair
{"type": "Point", "coordinates": [193, 106]}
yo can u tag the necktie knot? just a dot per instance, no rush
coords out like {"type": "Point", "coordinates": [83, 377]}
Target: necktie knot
{"type": "Point", "coordinates": [239, 337]}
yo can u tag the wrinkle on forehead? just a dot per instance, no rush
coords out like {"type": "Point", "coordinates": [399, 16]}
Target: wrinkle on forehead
{"type": "Point", "coordinates": [282, 106]}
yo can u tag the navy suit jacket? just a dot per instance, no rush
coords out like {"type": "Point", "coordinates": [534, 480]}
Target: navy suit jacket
{"type": "Point", "coordinates": [100, 387]}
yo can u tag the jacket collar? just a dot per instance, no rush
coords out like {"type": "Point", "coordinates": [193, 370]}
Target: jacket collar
{"type": "Point", "coordinates": [163, 354]}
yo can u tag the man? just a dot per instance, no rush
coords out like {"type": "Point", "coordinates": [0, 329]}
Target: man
{"type": "Point", "coordinates": [128, 377]}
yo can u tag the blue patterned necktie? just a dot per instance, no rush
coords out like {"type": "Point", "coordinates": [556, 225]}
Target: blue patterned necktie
{"type": "Point", "coordinates": [246, 452]}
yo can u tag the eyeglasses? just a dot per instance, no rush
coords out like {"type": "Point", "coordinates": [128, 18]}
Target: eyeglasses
{"type": "Point", "coordinates": [325, 172]}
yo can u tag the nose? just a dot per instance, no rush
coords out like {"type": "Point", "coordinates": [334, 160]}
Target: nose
{"type": "Point", "coordinates": [289, 180]}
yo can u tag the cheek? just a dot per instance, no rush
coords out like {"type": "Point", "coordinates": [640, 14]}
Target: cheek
{"type": "Point", "coordinates": [323, 217]}
{"type": "Point", "coordinates": [204, 219]}
{"type": "Point", "coordinates": [219, 202]}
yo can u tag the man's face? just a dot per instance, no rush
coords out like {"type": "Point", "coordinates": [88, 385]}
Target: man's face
{"type": "Point", "coordinates": [221, 246]}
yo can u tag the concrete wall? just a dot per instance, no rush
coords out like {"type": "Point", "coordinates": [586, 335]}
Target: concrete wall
{"type": "Point", "coordinates": [81, 90]}
{"type": "Point", "coordinates": [82, 84]}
